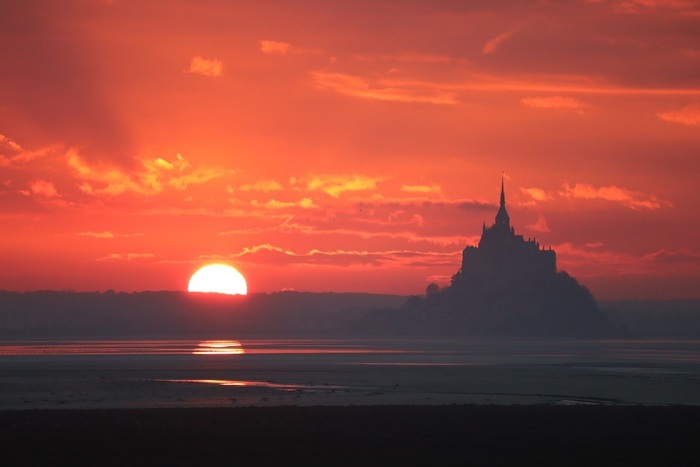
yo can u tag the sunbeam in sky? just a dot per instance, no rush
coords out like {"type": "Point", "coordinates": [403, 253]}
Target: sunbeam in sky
{"type": "Point", "coordinates": [346, 146]}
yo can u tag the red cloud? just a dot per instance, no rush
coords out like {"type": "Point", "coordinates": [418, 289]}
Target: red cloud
{"type": "Point", "coordinates": [688, 115]}
{"type": "Point", "coordinates": [271, 254]}
{"type": "Point", "coordinates": [629, 198]}
{"type": "Point", "coordinates": [205, 67]}
{"type": "Point", "coordinates": [554, 102]}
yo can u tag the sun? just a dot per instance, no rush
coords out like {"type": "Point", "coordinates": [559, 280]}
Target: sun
{"type": "Point", "coordinates": [218, 278]}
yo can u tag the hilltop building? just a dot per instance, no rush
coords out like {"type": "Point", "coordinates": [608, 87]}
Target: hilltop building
{"type": "Point", "coordinates": [507, 285]}
{"type": "Point", "coordinates": [503, 259]}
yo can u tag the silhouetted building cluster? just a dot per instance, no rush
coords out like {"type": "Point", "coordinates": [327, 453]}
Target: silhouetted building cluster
{"type": "Point", "coordinates": [504, 260]}
{"type": "Point", "coordinates": [507, 285]}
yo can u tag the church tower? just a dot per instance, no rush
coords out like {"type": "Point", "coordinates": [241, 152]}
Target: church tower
{"type": "Point", "coordinates": [504, 260]}
{"type": "Point", "coordinates": [507, 285]}
{"type": "Point", "coordinates": [502, 217]}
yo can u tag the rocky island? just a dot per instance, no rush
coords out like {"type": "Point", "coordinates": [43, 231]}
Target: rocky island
{"type": "Point", "coordinates": [507, 285]}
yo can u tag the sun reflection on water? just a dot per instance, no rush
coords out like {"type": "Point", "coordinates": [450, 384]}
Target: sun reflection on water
{"type": "Point", "coordinates": [219, 348]}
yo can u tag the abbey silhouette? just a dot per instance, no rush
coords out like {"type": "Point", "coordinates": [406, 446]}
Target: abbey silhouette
{"type": "Point", "coordinates": [504, 260]}
{"type": "Point", "coordinates": [507, 285]}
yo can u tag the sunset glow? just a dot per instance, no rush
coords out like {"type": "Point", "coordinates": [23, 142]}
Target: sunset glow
{"type": "Point", "coordinates": [346, 146]}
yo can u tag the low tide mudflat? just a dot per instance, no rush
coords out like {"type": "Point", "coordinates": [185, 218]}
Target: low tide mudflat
{"type": "Point", "coordinates": [389, 401]}
{"type": "Point", "coordinates": [267, 372]}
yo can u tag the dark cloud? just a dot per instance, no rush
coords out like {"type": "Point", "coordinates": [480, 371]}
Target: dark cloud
{"type": "Point", "coordinates": [667, 256]}
{"type": "Point", "coordinates": [271, 254]}
{"type": "Point", "coordinates": [465, 204]}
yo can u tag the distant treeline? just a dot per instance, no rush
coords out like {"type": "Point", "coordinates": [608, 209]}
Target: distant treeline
{"type": "Point", "coordinates": [54, 314]}
{"type": "Point", "coordinates": [49, 313]}
{"type": "Point", "coordinates": [655, 318]}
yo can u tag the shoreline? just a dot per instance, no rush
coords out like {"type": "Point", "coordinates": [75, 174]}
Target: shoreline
{"type": "Point", "coordinates": [64, 390]}
{"type": "Point", "coordinates": [133, 374]}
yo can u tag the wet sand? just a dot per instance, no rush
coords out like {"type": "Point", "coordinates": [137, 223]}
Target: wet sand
{"type": "Point", "coordinates": [596, 404]}
{"type": "Point", "coordinates": [161, 374]}
{"type": "Point", "coordinates": [492, 386]}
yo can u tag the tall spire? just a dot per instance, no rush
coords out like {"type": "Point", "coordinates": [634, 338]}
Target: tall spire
{"type": "Point", "coordinates": [503, 193]}
{"type": "Point", "coordinates": [502, 217]}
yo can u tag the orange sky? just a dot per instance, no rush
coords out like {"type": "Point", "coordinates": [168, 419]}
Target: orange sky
{"type": "Point", "coordinates": [346, 146]}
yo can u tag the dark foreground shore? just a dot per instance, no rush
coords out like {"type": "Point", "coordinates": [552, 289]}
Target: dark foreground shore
{"type": "Point", "coordinates": [361, 435]}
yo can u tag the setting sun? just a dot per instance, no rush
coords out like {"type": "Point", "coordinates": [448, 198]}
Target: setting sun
{"type": "Point", "coordinates": [218, 278]}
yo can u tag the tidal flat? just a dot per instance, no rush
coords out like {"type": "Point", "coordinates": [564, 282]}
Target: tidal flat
{"type": "Point", "coordinates": [158, 373]}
